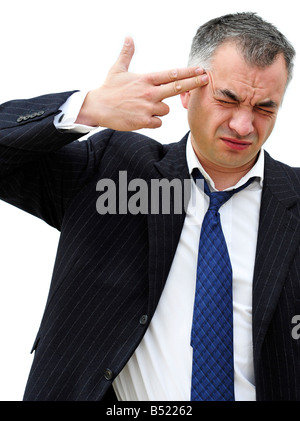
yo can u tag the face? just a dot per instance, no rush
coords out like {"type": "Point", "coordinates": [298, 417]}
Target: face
{"type": "Point", "coordinates": [232, 117]}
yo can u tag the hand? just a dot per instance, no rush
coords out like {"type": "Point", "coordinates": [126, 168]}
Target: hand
{"type": "Point", "coordinates": [128, 101]}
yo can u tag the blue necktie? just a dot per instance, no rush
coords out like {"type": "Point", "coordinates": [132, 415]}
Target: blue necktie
{"type": "Point", "coordinates": [212, 330]}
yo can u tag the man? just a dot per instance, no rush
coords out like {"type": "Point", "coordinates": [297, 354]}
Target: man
{"type": "Point", "coordinates": [120, 306]}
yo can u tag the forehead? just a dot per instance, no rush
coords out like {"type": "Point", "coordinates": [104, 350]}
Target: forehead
{"type": "Point", "coordinates": [252, 84]}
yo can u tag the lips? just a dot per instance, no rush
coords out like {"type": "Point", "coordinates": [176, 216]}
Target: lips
{"type": "Point", "coordinates": [235, 143]}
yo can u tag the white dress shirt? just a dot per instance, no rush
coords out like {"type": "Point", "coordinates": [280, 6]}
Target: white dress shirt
{"type": "Point", "coordinates": [161, 367]}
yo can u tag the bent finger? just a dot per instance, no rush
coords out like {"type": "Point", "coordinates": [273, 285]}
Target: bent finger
{"type": "Point", "coordinates": [153, 123]}
{"type": "Point", "coordinates": [160, 109]}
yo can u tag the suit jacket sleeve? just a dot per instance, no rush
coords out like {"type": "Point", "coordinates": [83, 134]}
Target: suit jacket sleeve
{"type": "Point", "coordinates": [41, 168]}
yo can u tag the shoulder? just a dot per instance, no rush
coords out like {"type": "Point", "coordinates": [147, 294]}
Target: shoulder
{"type": "Point", "coordinates": [129, 145]}
{"type": "Point", "coordinates": [288, 174]}
{"type": "Point", "coordinates": [140, 155]}
{"type": "Point", "coordinates": [136, 141]}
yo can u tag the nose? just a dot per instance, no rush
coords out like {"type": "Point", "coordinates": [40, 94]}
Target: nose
{"type": "Point", "coordinates": [242, 122]}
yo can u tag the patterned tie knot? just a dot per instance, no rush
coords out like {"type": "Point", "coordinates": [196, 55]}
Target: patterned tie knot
{"type": "Point", "coordinates": [217, 199]}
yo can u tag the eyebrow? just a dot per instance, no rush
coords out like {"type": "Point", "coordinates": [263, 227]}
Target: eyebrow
{"type": "Point", "coordinates": [227, 93]}
{"type": "Point", "coordinates": [268, 103]}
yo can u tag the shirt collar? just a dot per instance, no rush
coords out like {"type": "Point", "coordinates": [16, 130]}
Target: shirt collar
{"type": "Point", "coordinates": [256, 171]}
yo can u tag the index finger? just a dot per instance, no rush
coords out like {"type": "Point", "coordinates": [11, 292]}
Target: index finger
{"type": "Point", "coordinates": [180, 86]}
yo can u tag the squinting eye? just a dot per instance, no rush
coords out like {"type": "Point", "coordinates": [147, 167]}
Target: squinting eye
{"type": "Point", "coordinates": [225, 102]}
{"type": "Point", "coordinates": [263, 110]}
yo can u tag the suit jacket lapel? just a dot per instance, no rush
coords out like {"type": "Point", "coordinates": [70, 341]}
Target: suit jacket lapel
{"type": "Point", "coordinates": [278, 238]}
{"type": "Point", "coordinates": [165, 230]}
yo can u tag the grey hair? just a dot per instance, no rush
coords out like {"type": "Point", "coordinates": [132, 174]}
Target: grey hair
{"type": "Point", "coordinates": [259, 41]}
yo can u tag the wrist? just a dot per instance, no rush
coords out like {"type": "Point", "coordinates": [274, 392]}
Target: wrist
{"type": "Point", "coordinates": [86, 115]}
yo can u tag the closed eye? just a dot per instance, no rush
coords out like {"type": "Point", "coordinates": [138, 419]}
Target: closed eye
{"type": "Point", "coordinates": [264, 110]}
{"type": "Point", "coordinates": [260, 109]}
{"type": "Point", "coordinates": [226, 102]}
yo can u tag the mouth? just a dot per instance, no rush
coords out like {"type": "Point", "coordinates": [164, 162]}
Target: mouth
{"type": "Point", "coordinates": [235, 143]}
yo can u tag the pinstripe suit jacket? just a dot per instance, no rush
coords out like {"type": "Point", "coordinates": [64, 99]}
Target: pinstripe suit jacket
{"type": "Point", "coordinates": [110, 270]}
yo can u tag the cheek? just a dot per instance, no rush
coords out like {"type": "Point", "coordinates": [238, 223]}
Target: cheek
{"type": "Point", "coordinates": [207, 112]}
{"type": "Point", "coordinates": [219, 118]}
{"type": "Point", "coordinates": [264, 128]}
{"type": "Point", "coordinates": [222, 114]}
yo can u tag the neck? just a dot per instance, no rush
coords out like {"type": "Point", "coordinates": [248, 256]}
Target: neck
{"type": "Point", "coordinates": [225, 177]}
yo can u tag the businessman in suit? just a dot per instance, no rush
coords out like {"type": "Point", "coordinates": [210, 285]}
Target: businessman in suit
{"type": "Point", "coordinates": [120, 306]}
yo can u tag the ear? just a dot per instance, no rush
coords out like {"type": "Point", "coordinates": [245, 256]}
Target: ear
{"type": "Point", "coordinates": [185, 99]}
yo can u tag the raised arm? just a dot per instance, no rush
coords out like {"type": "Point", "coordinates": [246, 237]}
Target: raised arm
{"type": "Point", "coordinates": [41, 168]}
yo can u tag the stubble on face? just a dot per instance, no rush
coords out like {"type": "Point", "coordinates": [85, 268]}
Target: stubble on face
{"type": "Point", "coordinates": [233, 116]}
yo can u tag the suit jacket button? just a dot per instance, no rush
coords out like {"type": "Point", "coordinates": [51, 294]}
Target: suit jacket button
{"type": "Point", "coordinates": [108, 374]}
{"type": "Point", "coordinates": [21, 118]}
{"type": "Point", "coordinates": [143, 319]}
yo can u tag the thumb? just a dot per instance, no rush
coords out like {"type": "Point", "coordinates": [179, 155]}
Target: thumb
{"type": "Point", "coordinates": [123, 62]}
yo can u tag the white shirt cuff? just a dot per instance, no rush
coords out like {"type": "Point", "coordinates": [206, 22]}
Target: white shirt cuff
{"type": "Point", "coordinates": [69, 112]}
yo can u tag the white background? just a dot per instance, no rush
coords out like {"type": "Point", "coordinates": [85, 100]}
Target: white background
{"type": "Point", "coordinates": [70, 44]}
